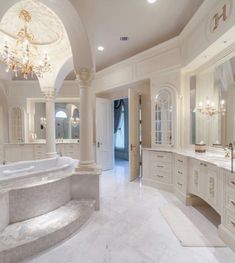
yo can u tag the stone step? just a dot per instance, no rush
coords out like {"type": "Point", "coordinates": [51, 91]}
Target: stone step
{"type": "Point", "coordinates": [24, 239]}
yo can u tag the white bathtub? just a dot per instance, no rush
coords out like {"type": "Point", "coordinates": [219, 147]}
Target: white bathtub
{"type": "Point", "coordinates": [36, 170]}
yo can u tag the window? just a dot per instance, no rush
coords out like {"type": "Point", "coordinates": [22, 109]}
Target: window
{"type": "Point", "coordinates": [120, 133]}
{"type": "Point", "coordinates": [61, 114]}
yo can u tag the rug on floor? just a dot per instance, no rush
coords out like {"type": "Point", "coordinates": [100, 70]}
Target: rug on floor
{"type": "Point", "coordinates": [191, 228]}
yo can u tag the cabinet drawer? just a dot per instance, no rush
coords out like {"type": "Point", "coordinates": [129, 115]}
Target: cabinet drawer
{"type": "Point", "coordinates": [230, 182]}
{"type": "Point", "coordinates": [180, 160]}
{"type": "Point", "coordinates": [230, 222]}
{"type": "Point", "coordinates": [161, 157]}
{"type": "Point", "coordinates": [230, 202]}
{"type": "Point", "coordinates": [161, 176]}
{"type": "Point", "coordinates": [164, 167]}
{"type": "Point", "coordinates": [180, 185]}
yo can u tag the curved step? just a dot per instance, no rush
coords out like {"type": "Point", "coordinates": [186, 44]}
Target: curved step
{"type": "Point", "coordinates": [24, 239]}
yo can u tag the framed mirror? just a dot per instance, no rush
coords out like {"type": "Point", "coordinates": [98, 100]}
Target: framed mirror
{"type": "Point", "coordinates": [212, 107]}
{"type": "Point", "coordinates": [67, 120]}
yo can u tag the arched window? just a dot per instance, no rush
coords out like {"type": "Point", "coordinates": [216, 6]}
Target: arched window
{"type": "Point", "coordinates": [61, 114]}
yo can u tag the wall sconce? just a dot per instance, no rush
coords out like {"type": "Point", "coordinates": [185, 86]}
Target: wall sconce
{"type": "Point", "coordinates": [74, 121]}
{"type": "Point", "coordinates": [43, 122]}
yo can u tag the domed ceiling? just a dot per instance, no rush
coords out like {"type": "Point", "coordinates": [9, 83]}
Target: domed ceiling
{"type": "Point", "coordinates": [45, 26]}
{"type": "Point", "coordinates": [47, 31]}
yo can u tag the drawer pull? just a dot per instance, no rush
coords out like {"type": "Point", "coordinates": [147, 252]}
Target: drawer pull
{"type": "Point", "coordinates": [233, 224]}
{"type": "Point", "coordinates": [179, 184]}
{"type": "Point", "coordinates": [160, 176]}
{"type": "Point", "coordinates": [180, 173]}
{"type": "Point", "coordinates": [160, 166]}
{"type": "Point", "coordinates": [232, 182]}
{"type": "Point", "coordinates": [180, 161]}
{"type": "Point", "coordinates": [201, 164]}
{"type": "Point", "coordinates": [233, 203]}
{"type": "Point", "coordinates": [160, 156]}
{"type": "Point", "coordinates": [205, 165]}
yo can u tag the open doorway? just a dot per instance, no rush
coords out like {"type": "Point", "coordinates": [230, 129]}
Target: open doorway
{"type": "Point", "coordinates": [121, 132]}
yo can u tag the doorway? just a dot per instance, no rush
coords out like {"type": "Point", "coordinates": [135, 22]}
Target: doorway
{"type": "Point", "coordinates": [121, 132]}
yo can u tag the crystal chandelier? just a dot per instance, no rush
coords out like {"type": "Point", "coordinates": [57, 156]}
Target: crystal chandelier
{"type": "Point", "coordinates": [24, 58]}
{"type": "Point", "coordinates": [209, 108]}
{"type": "Point", "coordinates": [74, 121]}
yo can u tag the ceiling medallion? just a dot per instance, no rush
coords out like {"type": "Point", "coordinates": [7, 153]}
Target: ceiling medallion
{"type": "Point", "coordinates": [23, 57]}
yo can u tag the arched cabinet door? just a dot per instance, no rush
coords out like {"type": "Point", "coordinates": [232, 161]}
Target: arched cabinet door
{"type": "Point", "coordinates": [16, 125]}
{"type": "Point", "coordinates": [164, 109]}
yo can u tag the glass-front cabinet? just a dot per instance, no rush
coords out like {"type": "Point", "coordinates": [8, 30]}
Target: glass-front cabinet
{"type": "Point", "coordinates": [164, 111]}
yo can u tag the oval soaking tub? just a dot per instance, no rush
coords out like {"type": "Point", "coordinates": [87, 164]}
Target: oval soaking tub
{"type": "Point", "coordinates": [35, 171]}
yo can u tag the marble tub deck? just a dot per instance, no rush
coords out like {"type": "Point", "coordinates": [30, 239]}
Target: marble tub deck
{"type": "Point", "coordinates": [129, 228]}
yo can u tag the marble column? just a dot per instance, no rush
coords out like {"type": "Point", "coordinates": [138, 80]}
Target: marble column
{"type": "Point", "coordinates": [50, 126]}
{"type": "Point", "coordinates": [87, 162]}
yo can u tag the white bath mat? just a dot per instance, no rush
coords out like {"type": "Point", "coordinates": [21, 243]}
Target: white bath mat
{"type": "Point", "coordinates": [191, 228]}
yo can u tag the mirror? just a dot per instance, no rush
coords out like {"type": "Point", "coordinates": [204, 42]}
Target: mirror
{"type": "Point", "coordinates": [212, 107]}
{"type": "Point", "coordinates": [66, 120]}
{"type": "Point", "coordinates": [163, 118]}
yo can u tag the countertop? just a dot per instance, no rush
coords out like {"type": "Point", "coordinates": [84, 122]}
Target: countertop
{"type": "Point", "coordinates": [214, 158]}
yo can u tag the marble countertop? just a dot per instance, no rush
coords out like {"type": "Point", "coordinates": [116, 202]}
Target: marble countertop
{"type": "Point", "coordinates": [214, 158]}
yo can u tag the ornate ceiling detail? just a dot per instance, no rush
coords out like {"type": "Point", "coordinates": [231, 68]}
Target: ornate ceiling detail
{"type": "Point", "coordinates": [44, 24]}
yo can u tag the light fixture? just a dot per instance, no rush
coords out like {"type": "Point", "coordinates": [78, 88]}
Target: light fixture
{"type": "Point", "coordinates": [100, 48]}
{"type": "Point", "coordinates": [151, 1]}
{"type": "Point", "coordinates": [23, 57]}
{"type": "Point", "coordinates": [43, 122]}
{"type": "Point", "coordinates": [209, 109]}
{"type": "Point", "coordinates": [74, 121]}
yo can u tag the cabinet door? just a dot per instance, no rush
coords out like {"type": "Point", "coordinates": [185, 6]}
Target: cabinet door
{"type": "Point", "coordinates": [212, 188]}
{"type": "Point", "coordinates": [197, 178]}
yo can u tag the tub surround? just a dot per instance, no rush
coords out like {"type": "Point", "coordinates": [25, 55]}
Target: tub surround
{"type": "Point", "coordinates": [191, 175]}
{"type": "Point", "coordinates": [43, 207]}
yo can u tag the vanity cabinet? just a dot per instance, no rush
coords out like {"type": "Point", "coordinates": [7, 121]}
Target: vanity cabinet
{"type": "Point", "coordinates": [180, 174]}
{"type": "Point", "coordinates": [196, 178]}
{"type": "Point", "coordinates": [189, 177]}
{"type": "Point", "coordinates": [213, 187]}
{"type": "Point", "coordinates": [205, 182]}
{"type": "Point", "coordinates": [229, 201]}
{"type": "Point", "coordinates": [157, 169]}
{"type": "Point", "coordinates": [36, 151]}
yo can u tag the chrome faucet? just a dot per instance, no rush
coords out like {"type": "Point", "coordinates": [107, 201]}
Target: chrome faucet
{"type": "Point", "coordinates": [231, 148]}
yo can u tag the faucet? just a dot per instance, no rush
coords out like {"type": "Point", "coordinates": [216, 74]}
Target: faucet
{"type": "Point", "coordinates": [231, 148]}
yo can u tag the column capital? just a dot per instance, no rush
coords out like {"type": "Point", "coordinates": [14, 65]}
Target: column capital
{"type": "Point", "coordinates": [85, 77]}
{"type": "Point", "coordinates": [48, 94]}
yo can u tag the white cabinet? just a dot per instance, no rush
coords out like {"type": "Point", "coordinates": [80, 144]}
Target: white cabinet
{"type": "Point", "coordinates": [180, 177]}
{"type": "Point", "coordinates": [157, 169]}
{"type": "Point", "coordinates": [196, 178]}
{"type": "Point", "coordinates": [205, 182]}
{"type": "Point", "coordinates": [24, 152]}
{"type": "Point", "coordinates": [213, 190]}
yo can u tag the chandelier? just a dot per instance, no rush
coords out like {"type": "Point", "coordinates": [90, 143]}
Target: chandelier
{"type": "Point", "coordinates": [209, 108]}
{"type": "Point", "coordinates": [74, 121]}
{"type": "Point", "coordinates": [24, 58]}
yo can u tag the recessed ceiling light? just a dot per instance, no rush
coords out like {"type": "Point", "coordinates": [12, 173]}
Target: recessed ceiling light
{"type": "Point", "coordinates": [151, 1]}
{"type": "Point", "coordinates": [100, 48]}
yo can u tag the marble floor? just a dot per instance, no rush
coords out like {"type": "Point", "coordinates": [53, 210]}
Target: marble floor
{"type": "Point", "coordinates": [129, 228]}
